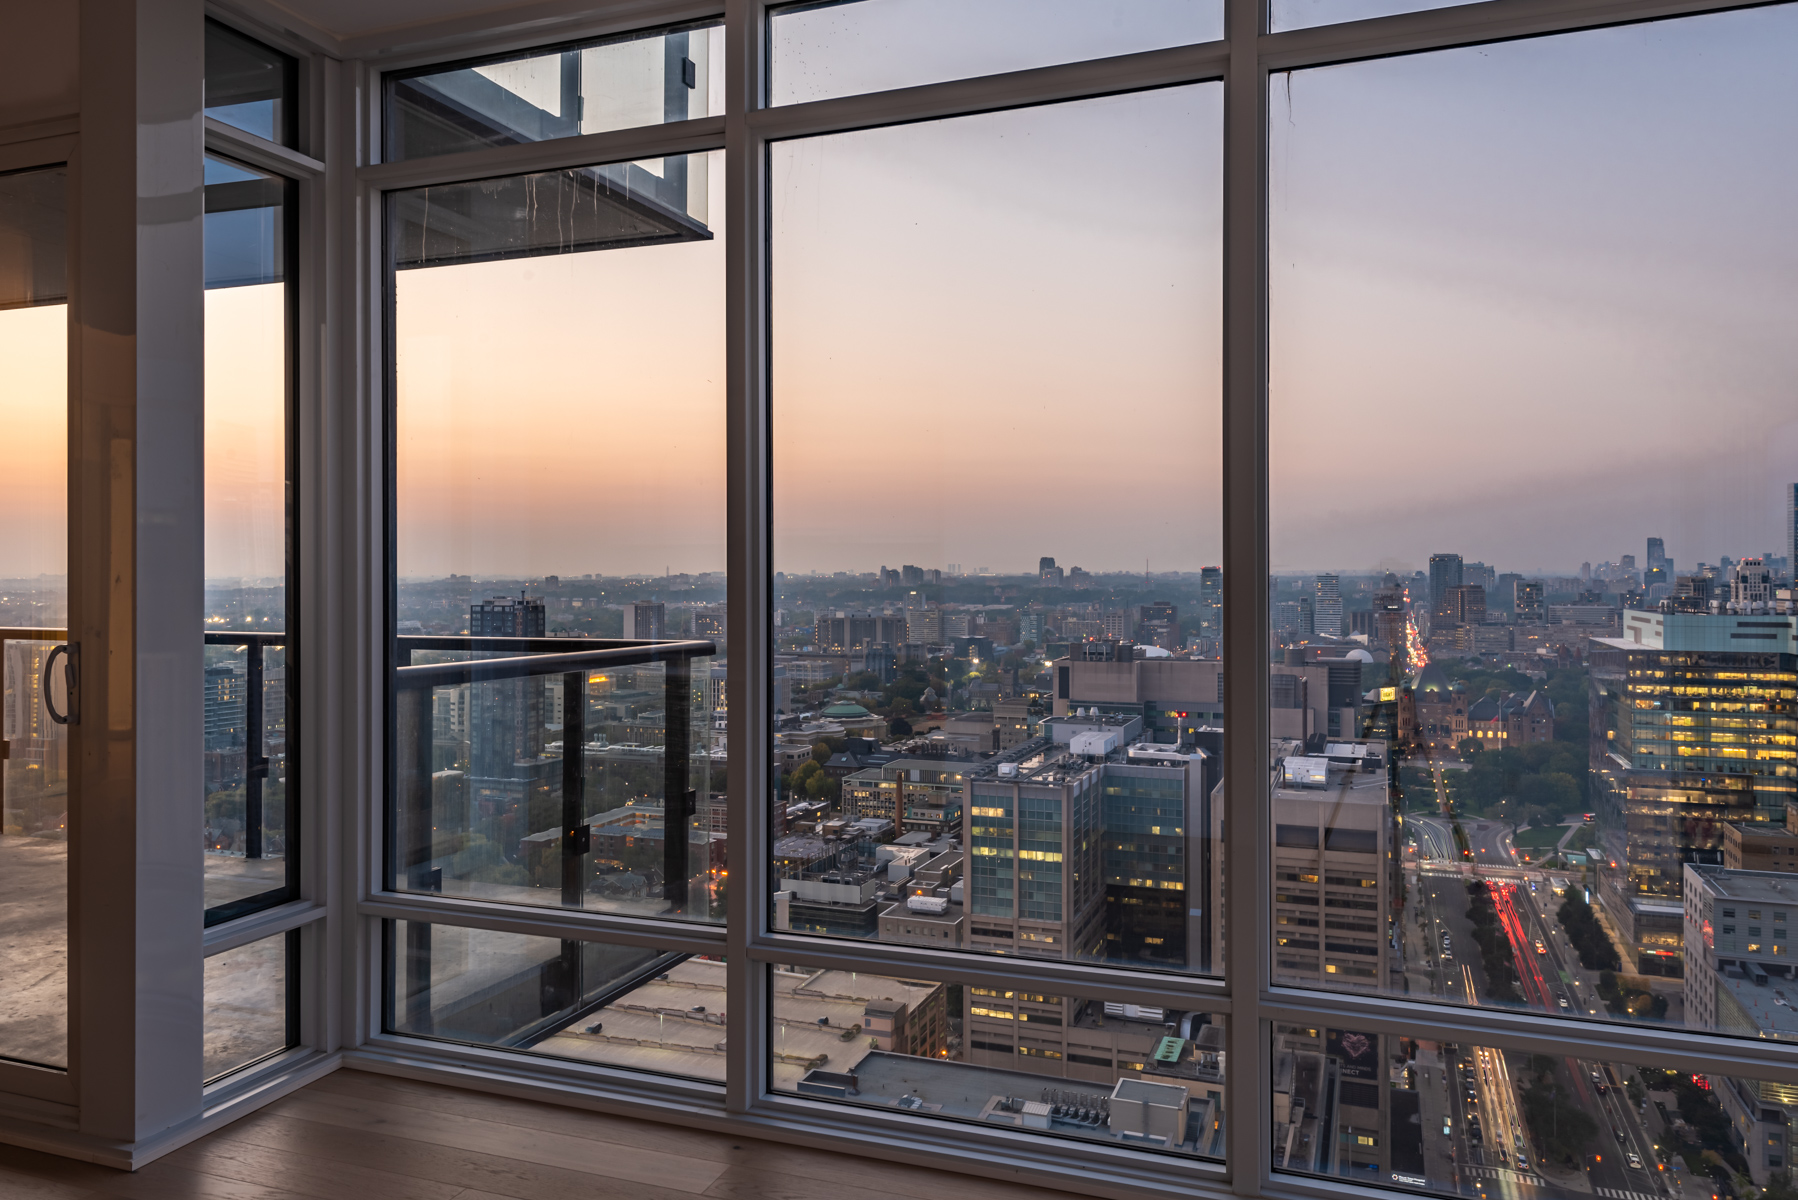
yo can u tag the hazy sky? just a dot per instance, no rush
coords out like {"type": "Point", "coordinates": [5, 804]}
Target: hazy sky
{"type": "Point", "coordinates": [1532, 303]}
{"type": "Point", "coordinates": [1536, 302]}
{"type": "Point", "coordinates": [564, 414]}
{"type": "Point", "coordinates": [245, 432]}
{"type": "Point", "coordinates": [34, 426]}
{"type": "Point", "coordinates": [997, 337]}
{"type": "Point", "coordinates": [849, 49]}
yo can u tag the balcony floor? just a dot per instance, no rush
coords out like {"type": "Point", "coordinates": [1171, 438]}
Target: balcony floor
{"type": "Point", "coordinates": [357, 1134]}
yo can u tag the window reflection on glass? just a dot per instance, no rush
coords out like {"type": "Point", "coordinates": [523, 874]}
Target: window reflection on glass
{"type": "Point", "coordinates": [1105, 1070]}
{"type": "Point", "coordinates": [998, 682]}
{"type": "Point", "coordinates": [1535, 708]}
{"type": "Point", "coordinates": [247, 681]}
{"type": "Point", "coordinates": [251, 1004]}
{"type": "Point", "coordinates": [618, 83]}
{"type": "Point", "coordinates": [625, 1006]}
{"type": "Point", "coordinates": [250, 86]}
{"type": "Point", "coordinates": [1467, 1120]}
{"type": "Point", "coordinates": [34, 765]}
{"type": "Point", "coordinates": [559, 361]}
{"type": "Point", "coordinates": [818, 51]}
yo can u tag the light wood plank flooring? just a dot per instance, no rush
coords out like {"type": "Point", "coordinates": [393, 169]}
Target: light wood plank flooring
{"type": "Point", "coordinates": [354, 1134]}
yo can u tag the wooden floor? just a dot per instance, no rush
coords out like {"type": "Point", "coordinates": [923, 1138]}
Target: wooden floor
{"type": "Point", "coordinates": [353, 1135]}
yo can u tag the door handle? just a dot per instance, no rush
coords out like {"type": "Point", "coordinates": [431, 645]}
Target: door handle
{"type": "Point", "coordinates": [71, 678]}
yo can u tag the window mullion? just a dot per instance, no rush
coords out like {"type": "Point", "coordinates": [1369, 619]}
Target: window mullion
{"type": "Point", "coordinates": [749, 571]}
{"type": "Point", "coordinates": [1245, 577]}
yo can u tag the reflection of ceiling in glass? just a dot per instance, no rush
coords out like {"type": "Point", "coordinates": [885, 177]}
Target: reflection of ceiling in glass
{"type": "Point", "coordinates": [34, 238]}
{"type": "Point", "coordinates": [552, 212]}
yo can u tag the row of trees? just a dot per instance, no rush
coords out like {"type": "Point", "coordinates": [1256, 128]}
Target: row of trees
{"type": "Point", "coordinates": [1495, 946]}
{"type": "Point", "coordinates": [1595, 949]}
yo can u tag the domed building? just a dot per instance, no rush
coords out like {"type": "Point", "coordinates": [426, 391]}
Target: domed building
{"type": "Point", "coordinates": [855, 720]}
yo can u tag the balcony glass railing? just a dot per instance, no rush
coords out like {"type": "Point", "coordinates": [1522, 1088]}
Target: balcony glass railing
{"type": "Point", "coordinates": [246, 748]}
{"type": "Point", "coordinates": [551, 771]}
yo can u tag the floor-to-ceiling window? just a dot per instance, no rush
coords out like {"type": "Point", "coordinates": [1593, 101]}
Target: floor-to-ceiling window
{"type": "Point", "coordinates": [558, 527]}
{"type": "Point", "coordinates": [34, 609]}
{"type": "Point", "coordinates": [252, 791]}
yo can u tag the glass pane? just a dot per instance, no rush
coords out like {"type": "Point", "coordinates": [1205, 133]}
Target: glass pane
{"type": "Point", "coordinates": [848, 47]}
{"type": "Point", "coordinates": [999, 750]}
{"type": "Point", "coordinates": [1535, 709]}
{"type": "Point", "coordinates": [34, 608]}
{"type": "Point", "coordinates": [250, 86]}
{"type": "Point", "coordinates": [1464, 1120]}
{"type": "Point", "coordinates": [1100, 1070]}
{"type": "Point", "coordinates": [515, 536]}
{"type": "Point", "coordinates": [625, 1006]}
{"type": "Point", "coordinates": [1304, 14]}
{"type": "Point", "coordinates": [586, 87]}
{"type": "Point", "coordinates": [248, 683]}
{"type": "Point", "coordinates": [251, 1003]}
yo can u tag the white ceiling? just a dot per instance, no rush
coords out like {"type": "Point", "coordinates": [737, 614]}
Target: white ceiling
{"type": "Point", "coordinates": [372, 28]}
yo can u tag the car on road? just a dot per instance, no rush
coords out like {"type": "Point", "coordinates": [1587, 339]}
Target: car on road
{"type": "Point", "coordinates": [1620, 1138]}
{"type": "Point", "coordinates": [1635, 1160]}
{"type": "Point", "coordinates": [1562, 1000]}
{"type": "Point", "coordinates": [1540, 948]}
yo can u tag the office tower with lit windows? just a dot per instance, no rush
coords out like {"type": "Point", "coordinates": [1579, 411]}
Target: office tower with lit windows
{"type": "Point", "coordinates": [1527, 602]}
{"type": "Point", "coordinates": [1334, 862]}
{"type": "Point", "coordinates": [1156, 861]}
{"type": "Point", "coordinates": [1464, 604]}
{"type": "Point", "coordinates": [1158, 624]}
{"type": "Point", "coordinates": [1033, 835]}
{"type": "Point", "coordinates": [1694, 725]}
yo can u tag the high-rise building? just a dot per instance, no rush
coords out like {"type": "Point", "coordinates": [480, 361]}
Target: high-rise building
{"type": "Point", "coordinates": [648, 621]}
{"type": "Point", "coordinates": [1527, 602]}
{"type": "Point", "coordinates": [1791, 516]}
{"type": "Point", "coordinates": [503, 616]}
{"type": "Point", "coordinates": [1033, 838]}
{"type": "Point", "coordinates": [1389, 620]}
{"type": "Point", "coordinates": [911, 576]}
{"type": "Point", "coordinates": [225, 708]}
{"type": "Point", "coordinates": [1445, 573]}
{"type": "Point", "coordinates": [1657, 553]}
{"type": "Point", "coordinates": [1334, 862]}
{"type": "Point", "coordinates": [923, 621]}
{"type": "Point", "coordinates": [841, 632]}
{"type": "Point", "coordinates": [1751, 583]}
{"type": "Point", "coordinates": [1694, 716]}
{"type": "Point", "coordinates": [506, 762]}
{"type": "Point", "coordinates": [1463, 605]}
{"type": "Point", "coordinates": [1736, 935]}
{"type": "Point", "coordinates": [1326, 606]}
{"type": "Point", "coordinates": [1211, 602]}
{"type": "Point", "coordinates": [1156, 860]}
{"type": "Point", "coordinates": [1158, 624]}
{"type": "Point", "coordinates": [1048, 573]}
